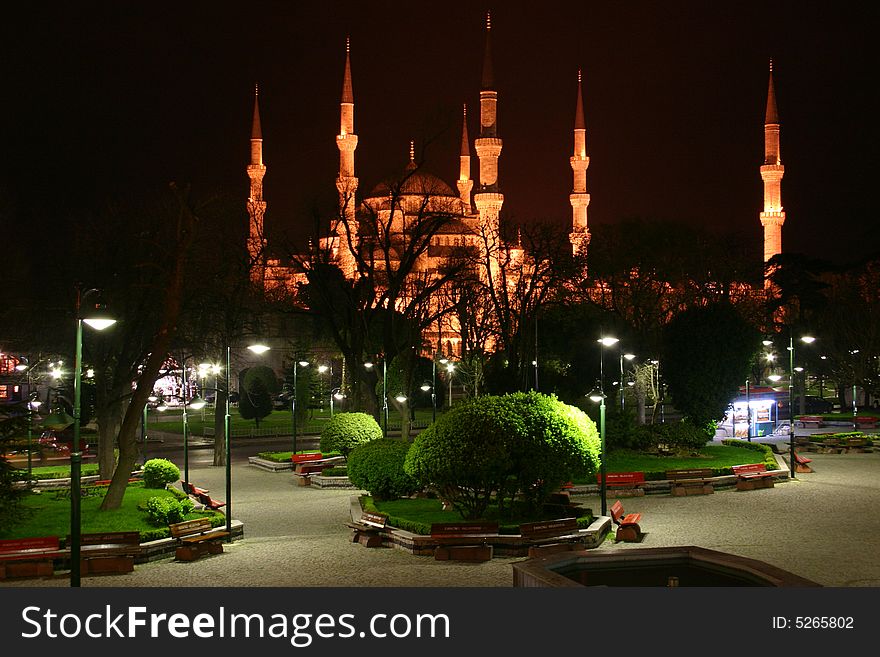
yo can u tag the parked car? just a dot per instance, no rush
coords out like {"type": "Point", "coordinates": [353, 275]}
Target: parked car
{"type": "Point", "coordinates": [812, 406]}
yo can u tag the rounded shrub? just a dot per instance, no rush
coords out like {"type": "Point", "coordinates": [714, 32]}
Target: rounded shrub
{"type": "Point", "coordinates": [160, 472]}
{"type": "Point", "coordinates": [377, 467]}
{"type": "Point", "coordinates": [167, 510]}
{"type": "Point", "coordinates": [502, 447]}
{"type": "Point", "coordinates": [345, 431]}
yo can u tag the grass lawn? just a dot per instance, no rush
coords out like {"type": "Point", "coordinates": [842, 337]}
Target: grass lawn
{"type": "Point", "coordinates": [711, 456]}
{"type": "Point", "coordinates": [417, 515]}
{"type": "Point", "coordinates": [48, 514]}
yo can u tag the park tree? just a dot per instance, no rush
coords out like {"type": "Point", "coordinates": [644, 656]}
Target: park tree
{"type": "Point", "coordinates": [707, 355]}
{"type": "Point", "coordinates": [257, 387]}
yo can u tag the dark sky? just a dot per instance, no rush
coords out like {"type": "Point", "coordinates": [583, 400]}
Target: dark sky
{"type": "Point", "coordinates": [674, 93]}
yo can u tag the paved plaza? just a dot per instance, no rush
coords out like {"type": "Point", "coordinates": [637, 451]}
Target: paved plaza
{"type": "Point", "coordinates": [824, 526]}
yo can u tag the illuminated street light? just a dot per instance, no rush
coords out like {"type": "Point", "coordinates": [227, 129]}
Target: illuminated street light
{"type": "Point", "coordinates": [300, 363]}
{"type": "Point", "coordinates": [96, 316]}
{"type": "Point", "coordinates": [598, 397]}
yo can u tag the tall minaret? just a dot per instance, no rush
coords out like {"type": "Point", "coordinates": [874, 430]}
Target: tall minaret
{"type": "Point", "coordinates": [464, 182]}
{"type": "Point", "coordinates": [346, 182]}
{"type": "Point", "coordinates": [772, 171]}
{"type": "Point", "coordinates": [256, 206]}
{"type": "Point", "coordinates": [580, 233]}
{"type": "Point", "coordinates": [488, 146]}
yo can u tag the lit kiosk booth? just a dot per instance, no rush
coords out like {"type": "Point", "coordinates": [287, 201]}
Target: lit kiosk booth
{"type": "Point", "coordinates": [753, 415]}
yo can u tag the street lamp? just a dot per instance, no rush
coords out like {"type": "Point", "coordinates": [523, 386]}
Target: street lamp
{"type": "Point", "coordinates": [606, 341]}
{"type": "Point", "coordinates": [628, 357]}
{"type": "Point", "coordinates": [806, 339]}
{"type": "Point", "coordinates": [598, 397]}
{"type": "Point", "coordinates": [33, 405]}
{"type": "Point", "coordinates": [301, 363]}
{"type": "Point", "coordinates": [336, 394]}
{"type": "Point", "coordinates": [95, 315]}
{"type": "Point", "coordinates": [426, 386]}
{"type": "Point", "coordinates": [450, 368]}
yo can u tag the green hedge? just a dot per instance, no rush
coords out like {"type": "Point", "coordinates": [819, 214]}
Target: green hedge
{"type": "Point", "coordinates": [769, 458]}
{"type": "Point", "coordinates": [377, 467]}
{"type": "Point", "coordinates": [345, 431]}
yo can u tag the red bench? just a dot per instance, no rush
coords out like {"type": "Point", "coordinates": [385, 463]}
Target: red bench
{"type": "Point", "coordinates": [304, 458]}
{"type": "Point", "coordinates": [811, 421]}
{"type": "Point", "coordinates": [802, 463]}
{"type": "Point", "coordinates": [29, 557]}
{"type": "Point", "coordinates": [628, 528]}
{"type": "Point", "coordinates": [201, 494]}
{"type": "Point", "coordinates": [631, 482]}
{"type": "Point", "coordinates": [368, 530]}
{"type": "Point", "coordinates": [463, 541]}
{"type": "Point", "coordinates": [108, 552]}
{"type": "Point", "coordinates": [752, 475]}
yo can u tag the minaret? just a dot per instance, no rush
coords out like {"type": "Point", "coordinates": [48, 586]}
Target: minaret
{"type": "Point", "coordinates": [464, 182]}
{"type": "Point", "coordinates": [772, 171]}
{"type": "Point", "coordinates": [346, 182]}
{"type": "Point", "coordinates": [488, 146]}
{"type": "Point", "coordinates": [256, 206]}
{"type": "Point", "coordinates": [580, 233]}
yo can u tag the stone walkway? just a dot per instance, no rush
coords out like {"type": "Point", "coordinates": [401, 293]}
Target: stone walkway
{"type": "Point", "coordinates": [296, 536]}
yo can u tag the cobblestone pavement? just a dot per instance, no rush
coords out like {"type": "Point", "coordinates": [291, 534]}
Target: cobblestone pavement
{"type": "Point", "coordinates": [824, 526]}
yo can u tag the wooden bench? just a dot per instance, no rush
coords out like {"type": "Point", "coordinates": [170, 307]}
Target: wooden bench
{"type": "Point", "coordinates": [830, 446]}
{"type": "Point", "coordinates": [29, 557]}
{"type": "Point", "coordinates": [548, 528]}
{"type": "Point", "coordinates": [804, 444]}
{"type": "Point", "coordinates": [752, 475]}
{"type": "Point", "coordinates": [196, 538]}
{"type": "Point", "coordinates": [692, 481]}
{"type": "Point", "coordinates": [463, 541]}
{"type": "Point", "coordinates": [628, 528]}
{"type": "Point", "coordinates": [858, 445]}
{"type": "Point", "coordinates": [811, 421]}
{"type": "Point", "coordinates": [368, 530]}
{"type": "Point", "coordinates": [628, 484]}
{"type": "Point", "coordinates": [202, 496]}
{"type": "Point", "coordinates": [311, 464]}
{"type": "Point", "coordinates": [866, 421]}
{"type": "Point", "coordinates": [107, 552]}
{"type": "Point", "coordinates": [802, 463]}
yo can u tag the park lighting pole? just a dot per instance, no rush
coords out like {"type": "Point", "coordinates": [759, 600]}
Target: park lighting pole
{"type": "Point", "coordinates": [450, 368]}
{"type": "Point", "coordinates": [806, 339]}
{"type": "Point", "coordinates": [95, 315]}
{"type": "Point", "coordinates": [425, 388]}
{"type": "Point", "coordinates": [606, 341]}
{"type": "Point", "coordinates": [33, 405]}
{"type": "Point", "coordinates": [434, 388]}
{"type": "Point", "coordinates": [301, 363]}
{"type": "Point", "coordinates": [598, 397]}
{"type": "Point", "coordinates": [628, 357]}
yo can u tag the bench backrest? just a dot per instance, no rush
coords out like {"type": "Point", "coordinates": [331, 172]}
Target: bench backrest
{"type": "Point", "coordinates": [692, 473]}
{"type": "Point", "coordinates": [548, 527]}
{"type": "Point", "coordinates": [622, 478]}
{"type": "Point", "coordinates": [749, 468]}
{"type": "Point", "coordinates": [110, 538]}
{"type": "Point", "coordinates": [452, 529]}
{"type": "Point", "coordinates": [303, 458]}
{"type": "Point", "coordinates": [8, 545]}
{"type": "Point", "coordinates": [616, 511]}
{"type": "Point", "coordinates": [189, 527]}
{"type": "Point", "coordinates": [374, 519]}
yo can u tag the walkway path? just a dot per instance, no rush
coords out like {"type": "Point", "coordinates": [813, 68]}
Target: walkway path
{"type": "Point", "coordinates": [296, 536]}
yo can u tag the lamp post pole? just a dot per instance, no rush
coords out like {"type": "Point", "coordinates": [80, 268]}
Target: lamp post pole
{"type": "Point", "coordinates": [76, 458]}
{"type": "Point", "coordinates": [293, 403]}
{"type": "Point", "coordinates": [602, 483]}
{"type": "Point", "coordinates": [185, 430]}
{"type": "Point", "coordinates": [99, 323]}
{"type": "Point", "coordinates": [385, 396]}
{"type": "Point", "coordinates": [228, 437]}
{"type": "Point", "coordinates": [791, 433]}
{"type": "Point", "coordinates": [434, 388]}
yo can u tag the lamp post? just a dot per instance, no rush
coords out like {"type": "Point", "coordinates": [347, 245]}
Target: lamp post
{"type": "Point", "coordinates": [302, 363]}
{"type": "Point", "coordinates": [33, 405]}
{"type": "Point", "coordinates": [425, 388]}
{"type": "Point", "coordinates": [450, 368]}
{"type": "Point", "coordinates": [606, 341]}
{"type": "Point", "coordinates": [434, 388]}
{"type": "Point", "coordinates": [197, 403]}
{"type": "Point", "coordinates": [97, 318]}
{"type": "Point", "coordinates": [597, 396]}
{"type": "Point", "coordinates": [336, 394]}
{"type": "Point", "coordinates": [628, 357]}
{"type": "Point", "coordinates": [806, 339]}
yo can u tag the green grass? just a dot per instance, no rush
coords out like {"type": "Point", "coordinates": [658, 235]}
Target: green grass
{"type": "Point", "coordinates": [417, 515]}
{"type": "Point", "coordinates": [48, 514]}
{"type": "Point", "coordinates": [57, 471]}
{"type": "Point", "coordinates": [711, 456]}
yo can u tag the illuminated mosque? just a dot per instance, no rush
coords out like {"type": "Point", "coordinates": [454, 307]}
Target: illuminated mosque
{"type": "Point", "coordinates": [473, 206]}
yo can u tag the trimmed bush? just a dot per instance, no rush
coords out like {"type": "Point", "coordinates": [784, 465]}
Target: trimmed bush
{"type": "Point", "coordinates": [167, 510]}
{"type": "Point", "coordinates": [345, 431]}
{"type": "Point", "coordinates": [377, 467]}
{"type": "Point", "coordinates": [500, 447]}
{"type": "Point", "coordinates": [158, 473]}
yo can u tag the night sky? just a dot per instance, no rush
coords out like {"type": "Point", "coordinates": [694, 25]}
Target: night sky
{"type": "Point", "coordinates": [102, 94]}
